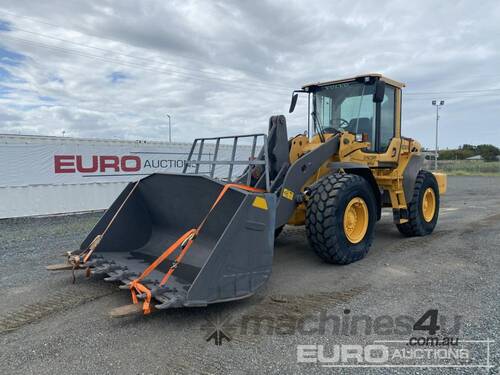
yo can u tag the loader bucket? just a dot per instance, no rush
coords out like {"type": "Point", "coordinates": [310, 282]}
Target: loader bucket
{"type": "Point", "coordinates": [230, 258]}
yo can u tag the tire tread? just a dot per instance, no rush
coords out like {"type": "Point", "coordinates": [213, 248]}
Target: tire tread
{"type": "Point", "coordinates": [415, 226]}
{"type": "Point", "coordinates": [322, 223]}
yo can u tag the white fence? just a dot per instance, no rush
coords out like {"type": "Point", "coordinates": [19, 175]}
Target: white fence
{"type": "Point", "coordinates": [51, 175]}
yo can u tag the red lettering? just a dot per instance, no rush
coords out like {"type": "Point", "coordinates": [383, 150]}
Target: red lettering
{"type": "Point", "coordinates": [64, 163]}
{"type": "Point", "coordinates": [82, 169]}
{"type": "Point", "coordinates": [75, 163]}
{"type": "Point", "coordinates": [136, 163]}
{"type": "Point", "coordinates": [109, 162]}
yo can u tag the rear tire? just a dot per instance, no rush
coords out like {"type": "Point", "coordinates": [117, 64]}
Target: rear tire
{"type": "Point", "coordinates": [422, 217]}
{"type": "Point", "coordinates": [340, 218]}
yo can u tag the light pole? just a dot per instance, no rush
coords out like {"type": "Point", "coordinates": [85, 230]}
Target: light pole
{"type": "Point", "coordinates": [435, 103]}
{"type": "Point", "coordinates": [169, 129]}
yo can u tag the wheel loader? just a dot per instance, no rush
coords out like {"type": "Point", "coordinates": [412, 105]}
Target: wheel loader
{"type": "Point", "coordinates": [196, 238]}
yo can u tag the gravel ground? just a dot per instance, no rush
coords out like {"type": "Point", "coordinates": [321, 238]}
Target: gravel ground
{"type": "Point", "coordinates": [48, 325]}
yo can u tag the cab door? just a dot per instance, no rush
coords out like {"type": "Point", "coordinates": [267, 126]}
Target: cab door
{"type": "Point", "coordinates": [388, 120]}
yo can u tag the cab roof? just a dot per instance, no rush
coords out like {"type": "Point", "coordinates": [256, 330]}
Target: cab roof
{"type": "Point", "coordinates": [343, 80]}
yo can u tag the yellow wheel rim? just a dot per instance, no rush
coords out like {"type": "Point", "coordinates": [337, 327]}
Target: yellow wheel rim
{"type": "Point", "coordinates": [356, 220]}
{"type": "Point", "coordinates": [429, 204]}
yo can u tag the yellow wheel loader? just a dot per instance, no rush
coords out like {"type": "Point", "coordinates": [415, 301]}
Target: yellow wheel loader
{"type": "Point", "coordinates": [203, 236]}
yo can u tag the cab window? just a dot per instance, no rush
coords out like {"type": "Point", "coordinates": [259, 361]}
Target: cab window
{"type": "Point", "coordinates": [387, 120]}
{"type": "Point", "coordinates": [349, 107]}
{"type": "Point", "coordinates": [359, 112]}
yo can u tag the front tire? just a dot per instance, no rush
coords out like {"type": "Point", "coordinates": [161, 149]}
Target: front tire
{"type": "Point", "coordinates": [340, 218]}
{"type": "Point", "coordinates": [423, 210]}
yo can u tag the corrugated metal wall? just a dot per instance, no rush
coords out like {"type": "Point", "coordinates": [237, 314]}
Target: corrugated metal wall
{"type": "Point", "coordinates": [18, 201]}
{"type": "Point", "coordinates": [30, 183]}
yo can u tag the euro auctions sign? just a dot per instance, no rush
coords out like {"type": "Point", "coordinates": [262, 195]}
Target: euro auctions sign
{"type": "Point", "coordinates": [35, 160]}
{"type": "Point", "coordinates": [97, 164]}
{"type": "Point", "coordinates": [55, 160]}
{"type": "Point", "coordinates": [119, 165]}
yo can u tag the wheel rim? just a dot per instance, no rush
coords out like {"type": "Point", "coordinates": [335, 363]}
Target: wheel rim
{"type": "Point", "coordinates": [356, 220]}
{"type": "Point", "coordinates": [429, 204]}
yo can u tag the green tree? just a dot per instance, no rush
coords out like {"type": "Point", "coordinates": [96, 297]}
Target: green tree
{"type": "Point", "coordinates": [448, 154]}
{"type": "Point", "coordinates": [468, 147]}
{"type": "Point", "coordinates": [488, 152]}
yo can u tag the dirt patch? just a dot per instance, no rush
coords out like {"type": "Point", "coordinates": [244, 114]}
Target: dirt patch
{"type": "Point", "coordinates": [59, 301]}
{"type": "Point", "coordinates": [405, 243]}
{"type": "Point", "coordinates": [493, 219]}
{"type": "Point", "coordinates": [276, 312]}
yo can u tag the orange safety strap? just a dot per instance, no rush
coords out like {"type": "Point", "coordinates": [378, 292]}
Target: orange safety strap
{"type": "Point", "coordinates": [185, 241]}
{"type": "Point", "coordinates": [135, 286]}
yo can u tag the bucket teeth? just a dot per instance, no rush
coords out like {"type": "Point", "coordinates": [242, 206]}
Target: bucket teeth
{"type": "Point", "coordinates": [100, 270]}
{"type": "Point", "coordinates": [174, 301]}
{"type": "Point", "coordinates": [162, 289]}
{"type": "Point", "coordinates": [95, 263]}
{"type": "Point", "coordinates": [106, 268]}
{"type": "Point", "coordinates": [120, 275]}
{"type": "Point", "coordinates": [159, 292]}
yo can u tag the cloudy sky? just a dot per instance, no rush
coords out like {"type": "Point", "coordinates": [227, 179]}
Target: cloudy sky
{"type": "Point", "coordinates": [114, 69]}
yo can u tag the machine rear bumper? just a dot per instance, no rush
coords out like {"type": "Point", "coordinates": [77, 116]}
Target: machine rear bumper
{"type": "Point", "coordinates": [442, 180]}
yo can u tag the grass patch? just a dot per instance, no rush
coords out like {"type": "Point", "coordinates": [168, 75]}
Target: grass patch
{"type": "Point", "coordinates": [469, 167]}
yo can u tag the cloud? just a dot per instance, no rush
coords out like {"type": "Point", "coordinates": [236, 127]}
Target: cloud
{"type": "Point", "coordinates": [115, 69]}
{"type": "Point", "coordinates": [117, 77]}
{"type": "Point", "coordinates": [9, 57]}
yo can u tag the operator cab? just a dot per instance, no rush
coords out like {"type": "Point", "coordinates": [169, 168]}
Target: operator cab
{"type": "Point", "coordinates": [364, 105]}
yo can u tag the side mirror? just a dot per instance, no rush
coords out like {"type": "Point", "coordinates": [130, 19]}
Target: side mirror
{"type": "Point", "coordinates": [378, 95]}
{"type": "Point", "coordinates": [293, 102]}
